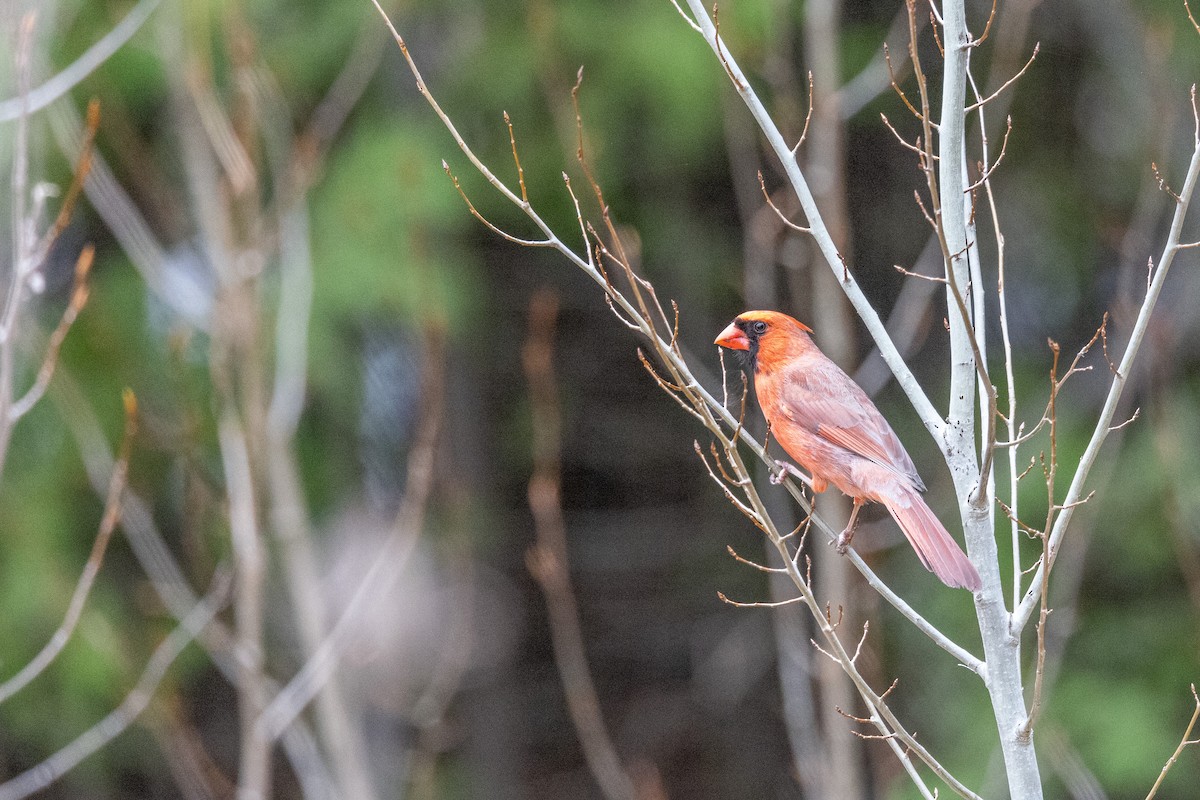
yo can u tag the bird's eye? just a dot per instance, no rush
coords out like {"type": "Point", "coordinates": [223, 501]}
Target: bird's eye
{"type": "Point", "coordinates": [760, 327]}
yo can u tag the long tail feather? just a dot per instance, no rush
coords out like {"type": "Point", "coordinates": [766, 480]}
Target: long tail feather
{"type": "Point", "coordinates": [936, 548]}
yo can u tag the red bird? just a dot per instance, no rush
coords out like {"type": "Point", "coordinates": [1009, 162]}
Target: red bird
{"type": "Point", "coordinates": [826, 422]}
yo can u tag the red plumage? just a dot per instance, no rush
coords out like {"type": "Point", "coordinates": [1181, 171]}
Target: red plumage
{"type": "Point", "coordinates": [826, 422]}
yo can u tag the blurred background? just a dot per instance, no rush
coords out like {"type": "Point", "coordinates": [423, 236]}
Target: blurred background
{"type": "Point", "coordinates": [326, 350]}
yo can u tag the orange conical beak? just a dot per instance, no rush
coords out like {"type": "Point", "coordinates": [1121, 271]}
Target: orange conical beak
{"type": "Point", "coordinates": [733, 338]}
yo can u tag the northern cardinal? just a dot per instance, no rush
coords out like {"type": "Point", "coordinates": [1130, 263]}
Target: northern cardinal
{"type": "Point", "coordinates": [826, 422]}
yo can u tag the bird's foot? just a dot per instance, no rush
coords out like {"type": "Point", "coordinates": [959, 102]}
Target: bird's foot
{"type": "Point", "coordinates": [843, 541]}
{"type": "Point", "coordinates": [784, 469]}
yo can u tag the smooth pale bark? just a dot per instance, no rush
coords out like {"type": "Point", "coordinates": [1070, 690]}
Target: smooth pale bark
{"type": "Point", "coordinates": [1001, 647]}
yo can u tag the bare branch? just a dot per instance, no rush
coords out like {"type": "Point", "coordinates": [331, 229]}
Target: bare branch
{"type": "Point", "coordinates": [986, 173]}
{"type": "Point", "coordinates": [1008, 82]}
{"type": "Point", "coordinates": [807, 119]}
{"type": "Point", "coordinates": [749, 563]}
{"type": "Point", "coordinates": [547, 559]}
{"type": "Point", "coordinates": [108, 524]}
{"type": "Point", "coordinates": [512, 140]}
{"type": "Point", "coordinates": [79, 297]}
{"type": "Point", "coordinates": [782, 218]}
{"type": "Point", "coordinates": [1186, 740]}
{"type": "Point", "coordinates": [74, 74]}
{"type": "Point", "coordinates": [494, 229]}
{"type": "Point", "coordinates": [776, 604]}
{"type": "Point", "coordinates": [47, 772]}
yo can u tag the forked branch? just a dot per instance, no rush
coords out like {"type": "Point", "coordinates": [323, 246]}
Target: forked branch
{"type": "Point", "coordinates": [1186, 741]}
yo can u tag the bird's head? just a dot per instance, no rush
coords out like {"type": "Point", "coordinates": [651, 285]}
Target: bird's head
{"type": "Point", "coordinates": [765, 337]}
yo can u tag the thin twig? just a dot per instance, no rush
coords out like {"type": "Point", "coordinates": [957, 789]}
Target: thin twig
{"type": "Point", "coordinates": [754, 564]}
{"type": "Point", "coordinates": [1183, 742]}
{"type": "Point", "coordinates": [119, 719]}
{"type": "Point", "coordinates": [79, 298]}
{"type": "Point", "coordinates": [986, 173]}
{"type": "Point", "coordinates": [776, 604]}
{"type": "Point", "coordinates": [108, 524]}
{"type": "Point", "coordinates": [1007, 83]}
{"type": "Point", "coordinates": [807, 119]}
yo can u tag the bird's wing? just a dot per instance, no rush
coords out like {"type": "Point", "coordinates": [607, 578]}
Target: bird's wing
{"type": "Point", "coordinates": [818, 396]}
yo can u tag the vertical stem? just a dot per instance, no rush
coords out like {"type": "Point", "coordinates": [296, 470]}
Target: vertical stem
{"type": "Point", "coordinates": [21, 231]}
{"type": "Point", "coordinates": [340, 731]}
{"type": "Point", "coordinates": [951, 186]}
{"type": "Point", "coordinates": [254, 771]}
{"type": "Point", "coordinates": [1002, 648]}
{"type": "Point", "coordinates": [547, 559]}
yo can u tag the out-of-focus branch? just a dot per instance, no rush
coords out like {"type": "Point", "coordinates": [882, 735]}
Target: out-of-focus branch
{"type": "Point", "coordinates": [194, 770]}
{"type": "Point", "coordinates": [168, 581]}
{"type": "Point", "coordinates": [824, 155]}
{"type": "Point", "coordinates": [547, 559]}
{"type": "Point", "coordinates": [37, 778]}
{"type": "Point", "coordinates": [291, 165]}
{"type": "Point", "coordinates": [878, 75]}
{"type": "Point", "coordinates": [70, 77]}
{"type": "Point", "coordinates": [1065, 761]}
{"type": "Point", "coordinates": [79, 298]}
{"type": "Point", "coordinates": [430, 709]}
{"type": "Point", "coordinates": [299, 692]}
{"type": "Point", "coordinates": [23, 264]}
{"type": "Point", "coordinates": [115, 207]}
{"type": "Point", "coordinates": [108, 524]}
{"type": "Point", "coordinates": [343, 94]}
{"type": "Point", "coordinates": [254, 772]}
